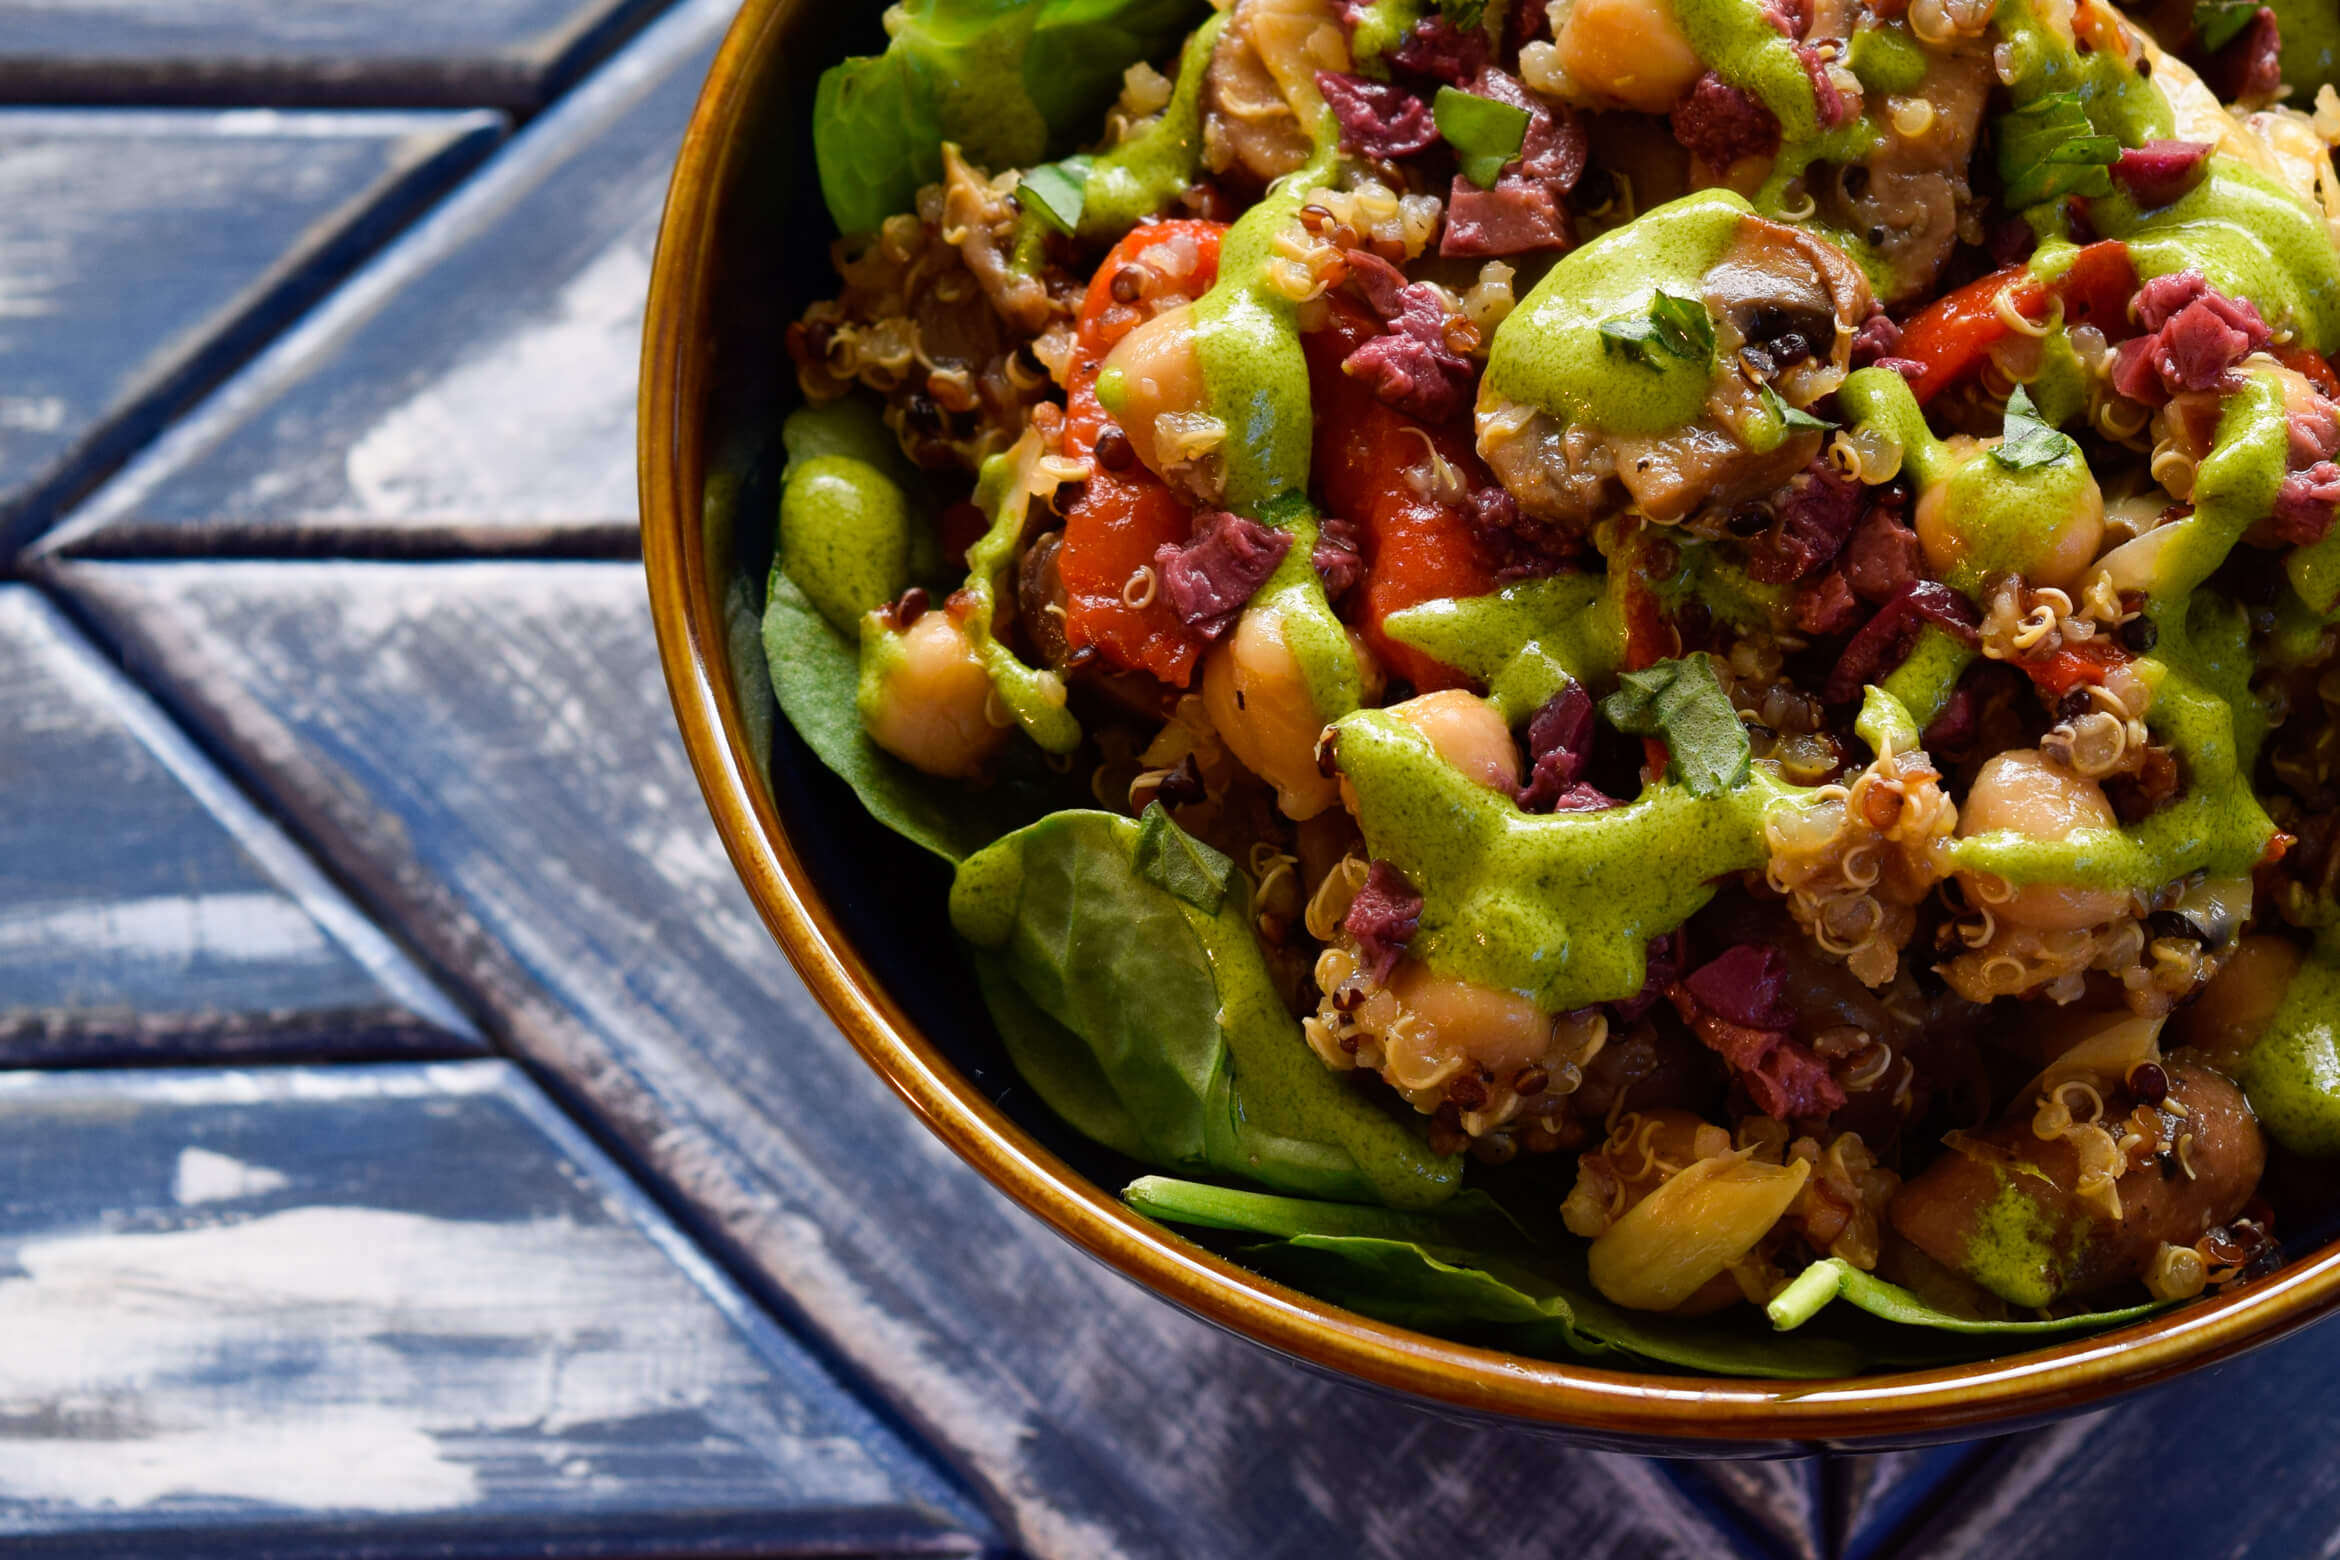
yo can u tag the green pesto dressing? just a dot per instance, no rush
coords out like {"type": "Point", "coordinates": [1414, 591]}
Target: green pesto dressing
{"type": "Point", "coordinates": [2292, 1075]}
{"type": "Point", "coordinates": [844, 537]}
{"type": "Point", "coordinates": [2202, 703]}
{"type": "Point", "coordinates": [1033, 695]}
{"type": "Point", "coordinates": [1549, 352]}
{"type": "Point", "coordinates": [2314, 572]}
{"type": "Point", "coordinates": [1278, 1088]}
{"type": "Point", "coordinates": [2012, 1249]}
{"type": "Point", "coordinates": [1928, 675]}
{"type": "Point", "coordinates": [1557, 907]}
{"type": "Point", "coordinates": [1255, 381]}
{"type": "Point", "coordinates": [2249, 236]}
{"type": "Point", "coordinates": [2118, 101]}
{"type": "Point", "coordinates": [2006, 520]}
{"type": "Point", "coordinates": [1153, 168]}
{"type": "Point", "coordinates": [2061, 388]}
{"type": "Point", "coordinates": [1526, 641]}
{"type": "Point", "coordinates": [1887, 59]}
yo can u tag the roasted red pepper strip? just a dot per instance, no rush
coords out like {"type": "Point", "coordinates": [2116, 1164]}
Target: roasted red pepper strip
{"type": "Point", "coordinates": [2305, 362]}
{"type": "Point", "coordinates": [2074, 665]}
{"type": "Point", "coordinates": [1416, 548]}
{"type": "Point", "coordinates": [1121, 517]}
{"type": "Point", "coordinates": [1950, 337]}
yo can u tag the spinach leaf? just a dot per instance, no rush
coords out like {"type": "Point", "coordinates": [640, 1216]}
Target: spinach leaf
{"type": "Point", "coordinates": [2049, 148]}
{"type": "Point", "coordinates": [1072, 67]}
{"type": "Point", "coordinates": [1174, 1005]}
{"type": "Point", "coordinates": [1006, 80]}
{"type": "Point", "coordinates": [1681, 700]}
{"type": "Point", "coordinates": [1467, 1215]}
{"type": "Point", "coordinates": [1673, 326]}
{"type": "Point", "coordinates": [2028, 441]}
{"type": "Point", "coordinates": [1831, 1277]}
{"type": "Point", "coordinates": [1466, 1270]}
{"type": "Point", "coordinates": [1058, 1067]}
{"type": "Point", "coordinates": [816, 673]}
{"type": "Point", "coordinates": [1485, 134]}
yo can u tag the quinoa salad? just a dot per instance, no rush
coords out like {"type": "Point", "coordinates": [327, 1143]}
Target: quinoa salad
{"type": "Point", "coordinates": [1647, 681]}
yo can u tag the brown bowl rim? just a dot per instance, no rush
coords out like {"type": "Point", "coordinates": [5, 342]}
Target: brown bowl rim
{"type": "Point", "coordinates": [691, 629]}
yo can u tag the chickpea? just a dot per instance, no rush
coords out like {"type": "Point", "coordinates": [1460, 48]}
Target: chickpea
{"type": "Point", "coordinates": [1629, 50]}
{"type": "Point", "coordinates": [1468, 733]}
{"type": "Point", "coordinates": [2225, 1021]}
{"type": "Point", "coordinates": [2024, 793]}
{"type": "Point", "coordinates": [1258, 699]}
{"type": "Point", "coordinates": [925, 697]}
{"type": "Point", "coordinates": [2045, 524]}
{"type": "Point", "coordinates": [1155, 371]}
{"type": "Point", "coordinates": [1498, 1031]}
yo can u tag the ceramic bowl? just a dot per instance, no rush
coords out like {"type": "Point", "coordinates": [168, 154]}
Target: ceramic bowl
{"type": "Point", "coordinates": [743, 249]}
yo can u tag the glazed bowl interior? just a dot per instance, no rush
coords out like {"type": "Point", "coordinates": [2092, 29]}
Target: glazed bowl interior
{"type": "Point", "coordinates": [861, 912]}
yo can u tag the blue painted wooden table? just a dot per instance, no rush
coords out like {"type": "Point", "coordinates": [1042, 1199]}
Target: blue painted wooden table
{"type": "Point", "coordinates": [410, 1141]}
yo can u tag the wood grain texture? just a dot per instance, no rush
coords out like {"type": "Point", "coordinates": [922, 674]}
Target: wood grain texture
{"type": "Point", "coordinates": [147, 911]}
{"type": "Point", "coordinates": [487, 751]}
{"type": "Point", "coordinates": [2233, 1461]}
{"type": "Point", "coordinates": [473, 389]}
{"type": "Point", "coordinates": [388, 1310]}
{"type": "Point", "coordinates": [511, 54]}
{"type": "Point", "coordinates": [1878, 1499]}
{"type": "Point", "coordinates": [145, 254]}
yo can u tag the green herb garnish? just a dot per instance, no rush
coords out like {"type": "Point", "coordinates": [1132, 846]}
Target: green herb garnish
{"type": "Point", "coordinates": [1681, 701]}
{"type": "Point", "coordinates": [1465, 14]}
{"type": "Point", "coordinates": [1675, 327]}
{"type": "Point", "coordinates": [2218, 23]}
{"type": "Point", "coordinates": [1485, 134]}
{"type": "Point", "coordinates": [1169, 857]}
{"type": "Point", "coordinates": [2049, 149]}
{"type": "Point", "coordinates": [1056, 192]}
{"type": "Point", "coordinates": [2029, 442]}
{"type": "Point", "coordinates": [1793, 418]}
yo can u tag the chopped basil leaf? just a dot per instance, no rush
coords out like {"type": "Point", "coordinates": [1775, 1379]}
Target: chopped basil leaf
{"type": "Point", "coordinates": [1056, 192]}
{"type": "Point", "coordinates": [2218, 23]}
{"type": "Point", "coordinates": [1793, 418]}
{"type": "Point", "coordinates": [1678, 327]}
{"type": "Point", "coordinates": [1169, 857]}
{"type": "Point", "coordinates": [2029, 442]}
{"type": "Point", "coordinates": [1682, 701]}
{"type": "Point", "coordinates": [1485, 134]}
{"type": "Point", "coordinates": [1465, 14]}
{"type": "Point", "coordinates": [2049, 149]}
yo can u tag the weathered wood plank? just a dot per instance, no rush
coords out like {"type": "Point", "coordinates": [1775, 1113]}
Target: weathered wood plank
{"type": "Point", "coordinates": [145, 254]}
{"type": "Point", "coordinates": [388, 1310]}
{"type": "Point", "coordinates": [147, 911]}
{"type": "Point", "coordinates": [470, 391]}
{"type": "Point", "coordinates": [1875, 1499]}
{"type": "Point", "coordinates": [2233, 1461]}
{"type": "Point", "coordinates": [511, 54]}
{"type": "Point", "coordinates": [486, 750]}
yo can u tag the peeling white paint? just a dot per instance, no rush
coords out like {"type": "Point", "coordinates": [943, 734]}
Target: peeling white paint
{"type": "Point", "coordinates": [349, 1358]}
{"type": "Point", "coordinates": [204, 1177]}
{"type": "Point", "coordinates": [170, 928]}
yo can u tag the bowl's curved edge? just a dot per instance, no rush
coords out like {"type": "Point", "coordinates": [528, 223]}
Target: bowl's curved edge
{"type": "Point", "coordinates": [1685, 1414]}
